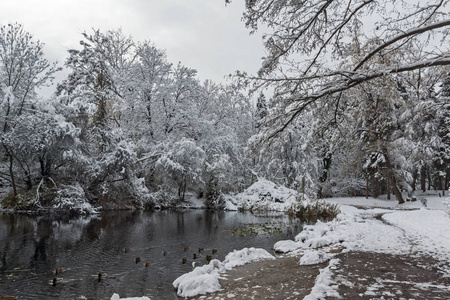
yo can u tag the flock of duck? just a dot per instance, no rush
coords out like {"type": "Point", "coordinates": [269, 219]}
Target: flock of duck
{"type": "Point", "coordinates": [57, 280]}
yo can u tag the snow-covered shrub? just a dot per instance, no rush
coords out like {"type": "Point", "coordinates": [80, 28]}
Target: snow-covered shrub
{"type": "Point", "coordinates": [265, 195]}
{"type": "Point", "coordinates": [314, 210]}
{"type": "Point", "coordinates": [73, 198]}
{"type": "Point", "coordinates": [165, 197]}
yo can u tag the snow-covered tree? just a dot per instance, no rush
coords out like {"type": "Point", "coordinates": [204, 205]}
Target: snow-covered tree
{"type": "Point", "coordinates": [321, 53]}
{"type": "Point", "coordinates": [23, 69]}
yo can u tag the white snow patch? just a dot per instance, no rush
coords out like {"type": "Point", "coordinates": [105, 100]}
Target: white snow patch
{"type": "Point", "coordinates": [324, 286]}
{"type": "Point", "coordinates": [312, 257]}
{"type": "Point", "coordinates": [205, 279]}
{"type": "Point", "coordinates": [117, 297]}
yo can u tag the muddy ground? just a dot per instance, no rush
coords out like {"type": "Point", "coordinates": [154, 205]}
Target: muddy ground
{"type": "Point", "coordinates": [359, 275]}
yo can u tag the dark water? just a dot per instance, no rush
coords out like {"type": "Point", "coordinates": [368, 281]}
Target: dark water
{"type": "Point", "coordinates": [31, 248]}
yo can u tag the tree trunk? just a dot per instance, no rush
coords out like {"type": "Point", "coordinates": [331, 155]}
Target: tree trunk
{"type": "Point", "coordinates": [367, 187]}
{"type": "Point", "coordinates": [388, 186]}
{"type": "Point", "coordinates": [11, 174]}
{"type": "Point", "coordinates": [447, 178]}
{"type": "Point", "coordinates": [423, 178]}
{"type": "Point", "coordinates": [397, 193]}
{"type": "Point", "coordinates": [414, 180]}
{"type": "Point", "coordinates": [443, 185]}
{"type": "Point", "coordinates": [391, 176]}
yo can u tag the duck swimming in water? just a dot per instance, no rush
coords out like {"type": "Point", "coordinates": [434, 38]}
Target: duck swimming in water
{"type": "Point", "coordinates": [58, 270]}
{"type": "Point", "coordinates": [147, 264]}
{"type": "Point", "coordinates": [55, 281]}
{"type": "Point", "coordinates": [100, 276]}
{"type": "Point", "coordinates": [138, 259]}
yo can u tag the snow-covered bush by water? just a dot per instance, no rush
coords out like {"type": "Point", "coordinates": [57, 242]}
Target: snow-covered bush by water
{"type": "Point", "coordinates": [73, 198]}
{"type": "Point", "coordinates": [265, 195]}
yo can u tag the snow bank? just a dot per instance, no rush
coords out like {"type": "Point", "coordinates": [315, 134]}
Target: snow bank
{"type": "Point", "coordinates": [352, 229]}
{"type": "Point", "coordinates": [205, 279]}
{"type": "Point", "coordinates": [323, 286]}
{"type": "Point", "coordinates": [244, 256]}
{"type": "Point", "coordinates": [264, 195]}
{"type": "Point", "coordinates": [312, 257]}
{"type": "Point", "coordinates": [201, 280]}
{"type": "Point", "coordinates": [117, 297]}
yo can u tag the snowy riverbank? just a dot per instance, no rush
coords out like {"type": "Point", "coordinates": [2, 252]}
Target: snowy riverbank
{"type": "Point", "coordinates": [381, 226]}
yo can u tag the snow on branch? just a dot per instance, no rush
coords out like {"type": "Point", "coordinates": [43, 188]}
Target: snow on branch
{"type": "Point", "coordinates": [399, 37]}
{"type": "Point", "coordinates": [351, 81]}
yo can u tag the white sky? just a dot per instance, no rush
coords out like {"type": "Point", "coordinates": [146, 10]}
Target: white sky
{"type": "Point", "coordinates": [202, 34]}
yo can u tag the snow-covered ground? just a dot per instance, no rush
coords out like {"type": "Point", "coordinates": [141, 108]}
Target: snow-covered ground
{"type": "Point", "coordinates": [407, 229]}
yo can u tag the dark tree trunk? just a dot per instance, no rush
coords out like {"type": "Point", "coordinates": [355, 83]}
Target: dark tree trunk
{"type": "Point", "coordinates": [367, 186]}
{"type": "Point", "coordinates": [397, 193]}
{"type": "Point", "coordinates": [414, 179]}
{"type": "Point", "coordinates": [423, 178]}
{"type": "Point", "coordinates": [393, 180]}
{"type": "Point", "coordinates": [11, 174]}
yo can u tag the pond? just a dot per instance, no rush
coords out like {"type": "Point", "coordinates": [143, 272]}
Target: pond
{"type": "Point", "coordinates": [33, 247]}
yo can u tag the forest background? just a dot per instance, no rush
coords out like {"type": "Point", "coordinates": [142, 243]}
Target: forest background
{"type": "Point", "coordinates": [358, 105]}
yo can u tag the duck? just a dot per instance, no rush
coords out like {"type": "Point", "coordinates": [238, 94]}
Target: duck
{"type": "Point", "coordinates": [147, 264]}
{"type": "Point", "coordinates": [100, 276]}
{"type": "Point", "coordinates": [127, 250]}
{"type": "Point", "coordinates": [58, 270]}
{"type": "Point", "coordinates": [214, 251]}
{"type": "Point", "coordinates": [184, 260]}
{"type": "Point", "coordinates": [194, 256]}
{"type": "Point", "coordinates": [56, 280]}
{"type": "Point", "coordinates": [6, 297]}
{"type": "Point", "coordinates": [165, 252]}
{"type": "Point", "coordinates": [200, 250]}
{"type": "Point", "coordinates": [138, 259]}
{"type": "Point", "coordinates": [208, 258]}
{"type": "Point", "coordinates": [186, 248]}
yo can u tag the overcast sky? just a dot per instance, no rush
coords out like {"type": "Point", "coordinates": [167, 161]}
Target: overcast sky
{"type": "Point", "coordinates": [203, 34]}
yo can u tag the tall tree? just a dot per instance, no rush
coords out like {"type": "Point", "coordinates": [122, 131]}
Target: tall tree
{"type": "Point", "coordinates": [23, 69]}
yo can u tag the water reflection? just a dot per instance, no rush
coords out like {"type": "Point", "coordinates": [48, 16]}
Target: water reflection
{"type": "Point", "coordinates": [31, 248]}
